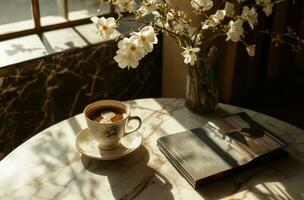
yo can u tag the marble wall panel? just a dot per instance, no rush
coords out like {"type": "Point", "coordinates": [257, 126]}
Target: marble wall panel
{"type": "Point", "coordinates": [38, 93]}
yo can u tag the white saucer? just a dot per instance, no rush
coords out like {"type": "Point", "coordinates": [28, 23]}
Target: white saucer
{"type": "Point", "coordinates": [86, 145]}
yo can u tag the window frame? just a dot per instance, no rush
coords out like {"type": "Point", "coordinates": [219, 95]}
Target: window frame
{"type": "Point", "coordinates": [38, 28]}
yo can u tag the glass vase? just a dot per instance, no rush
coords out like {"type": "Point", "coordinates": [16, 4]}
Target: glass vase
{"type": "Point", "coordinates": [202, 87]}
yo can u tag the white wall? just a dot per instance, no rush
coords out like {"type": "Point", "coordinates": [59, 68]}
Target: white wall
{"type": "Point", "coordinates": [174, 69]}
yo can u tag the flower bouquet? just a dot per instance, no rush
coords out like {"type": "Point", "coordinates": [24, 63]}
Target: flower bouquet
{"type": "Point", "coordinates": [231, 19]}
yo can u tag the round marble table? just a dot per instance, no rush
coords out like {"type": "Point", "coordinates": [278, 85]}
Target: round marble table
{"type": "Point", "coordinates": [48, 166]}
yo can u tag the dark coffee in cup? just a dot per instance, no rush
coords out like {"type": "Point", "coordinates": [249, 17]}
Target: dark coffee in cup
{"type": "Point", "coordinates": [106, 114]}
{"type": "Point", "coordinates": [107, 121]}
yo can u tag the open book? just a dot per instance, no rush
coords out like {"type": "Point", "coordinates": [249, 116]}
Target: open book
{"type": "Point", "coordinates": [220, 147]}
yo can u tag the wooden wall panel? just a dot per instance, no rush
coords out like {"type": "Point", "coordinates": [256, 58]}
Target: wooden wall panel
{"type": "Point", "coordinates": [273, 81]}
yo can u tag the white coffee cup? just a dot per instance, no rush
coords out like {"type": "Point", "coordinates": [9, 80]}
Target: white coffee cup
{"type": "Point", "coordinates": [108, 134]}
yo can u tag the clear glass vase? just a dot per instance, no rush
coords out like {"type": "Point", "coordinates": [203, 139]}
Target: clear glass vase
{"type": "Point", "coordinates": [202, 87]}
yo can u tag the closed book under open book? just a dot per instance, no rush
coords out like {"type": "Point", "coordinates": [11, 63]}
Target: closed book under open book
{"type": "Point", "coordinates": [220, 147]}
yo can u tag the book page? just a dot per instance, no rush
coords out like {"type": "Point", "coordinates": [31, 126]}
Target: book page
{"type": "Point", "coordinates": [243, 138]}
{"type": "Point", "coordinates": [195, 157]}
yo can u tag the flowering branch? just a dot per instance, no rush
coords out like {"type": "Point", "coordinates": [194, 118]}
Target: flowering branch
{"type": "Point", "coordinates": [231, 18]}
{"type": "Point", "coordinates": [289, 38]}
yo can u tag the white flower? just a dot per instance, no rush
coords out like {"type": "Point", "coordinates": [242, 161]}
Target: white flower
{"type": "Point", "coordinates": [170, 16]}
{"type": "Point", "coordinates": [268, 9]}
{"type": "Point", "coordinates": [148, 7]}
{"type": "Point", "coordinates": [129, 52]}
{"type": "Point", "coordinates": [143, 10]}
{"type": "Point", "coordinates": [214, 20]}
{"type": "Point", "coordinates": [167, 26]}
{"type": "Point", "coordinates": [179, 26]}
{"type": "Point", "coordinates": [229, 8]}
{"type": "Point", "coordinates": [205, 25]}
{"type": "Point", "coordinates": [250, 50]}
{"type": "Point", "coordinates": [202, 5]}
{"type": "Point", "coordinates": [156, 13]}
{"type": "Point", "coordinates": [147, 37]}
{"type": "Point", "coordinates": [250, 15]}
{"type": "Point", "coordinates": [267, 6]}
{"type": "Point", "coordinates": [125, 5]}
{"type": "Point", "coordinates": [218, 17]}
{"type": "Point", "coordinates": [236, 30]}
{"type": "Point", "coordinates": [189, 54]}
{"type": "Point", "coordinates": [105, 26]}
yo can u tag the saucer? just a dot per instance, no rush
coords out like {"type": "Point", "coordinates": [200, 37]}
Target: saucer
{"type": "Point", "coordinates": [86, 145]}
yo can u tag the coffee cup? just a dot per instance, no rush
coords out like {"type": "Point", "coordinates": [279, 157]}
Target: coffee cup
{"type": "Point", "coordinates": [107, 121]}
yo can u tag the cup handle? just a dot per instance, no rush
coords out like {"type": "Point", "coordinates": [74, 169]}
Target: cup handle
{"type": "Point", "coordinates": [135, 128]}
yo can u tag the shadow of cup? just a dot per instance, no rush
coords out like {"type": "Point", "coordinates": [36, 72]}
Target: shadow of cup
{"type": "Point", "coordinates": [131, 176]}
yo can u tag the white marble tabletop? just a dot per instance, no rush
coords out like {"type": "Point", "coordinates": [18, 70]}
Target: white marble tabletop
{"type": "Point", "coordinates": [48, 166]}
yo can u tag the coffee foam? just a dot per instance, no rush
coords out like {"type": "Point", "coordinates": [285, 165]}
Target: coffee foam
{"type": "Point", "coordinates": [106, 117]}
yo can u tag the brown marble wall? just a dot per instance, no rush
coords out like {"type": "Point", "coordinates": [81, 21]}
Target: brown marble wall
{"type": "Point", "coordinates": [41, 92]}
